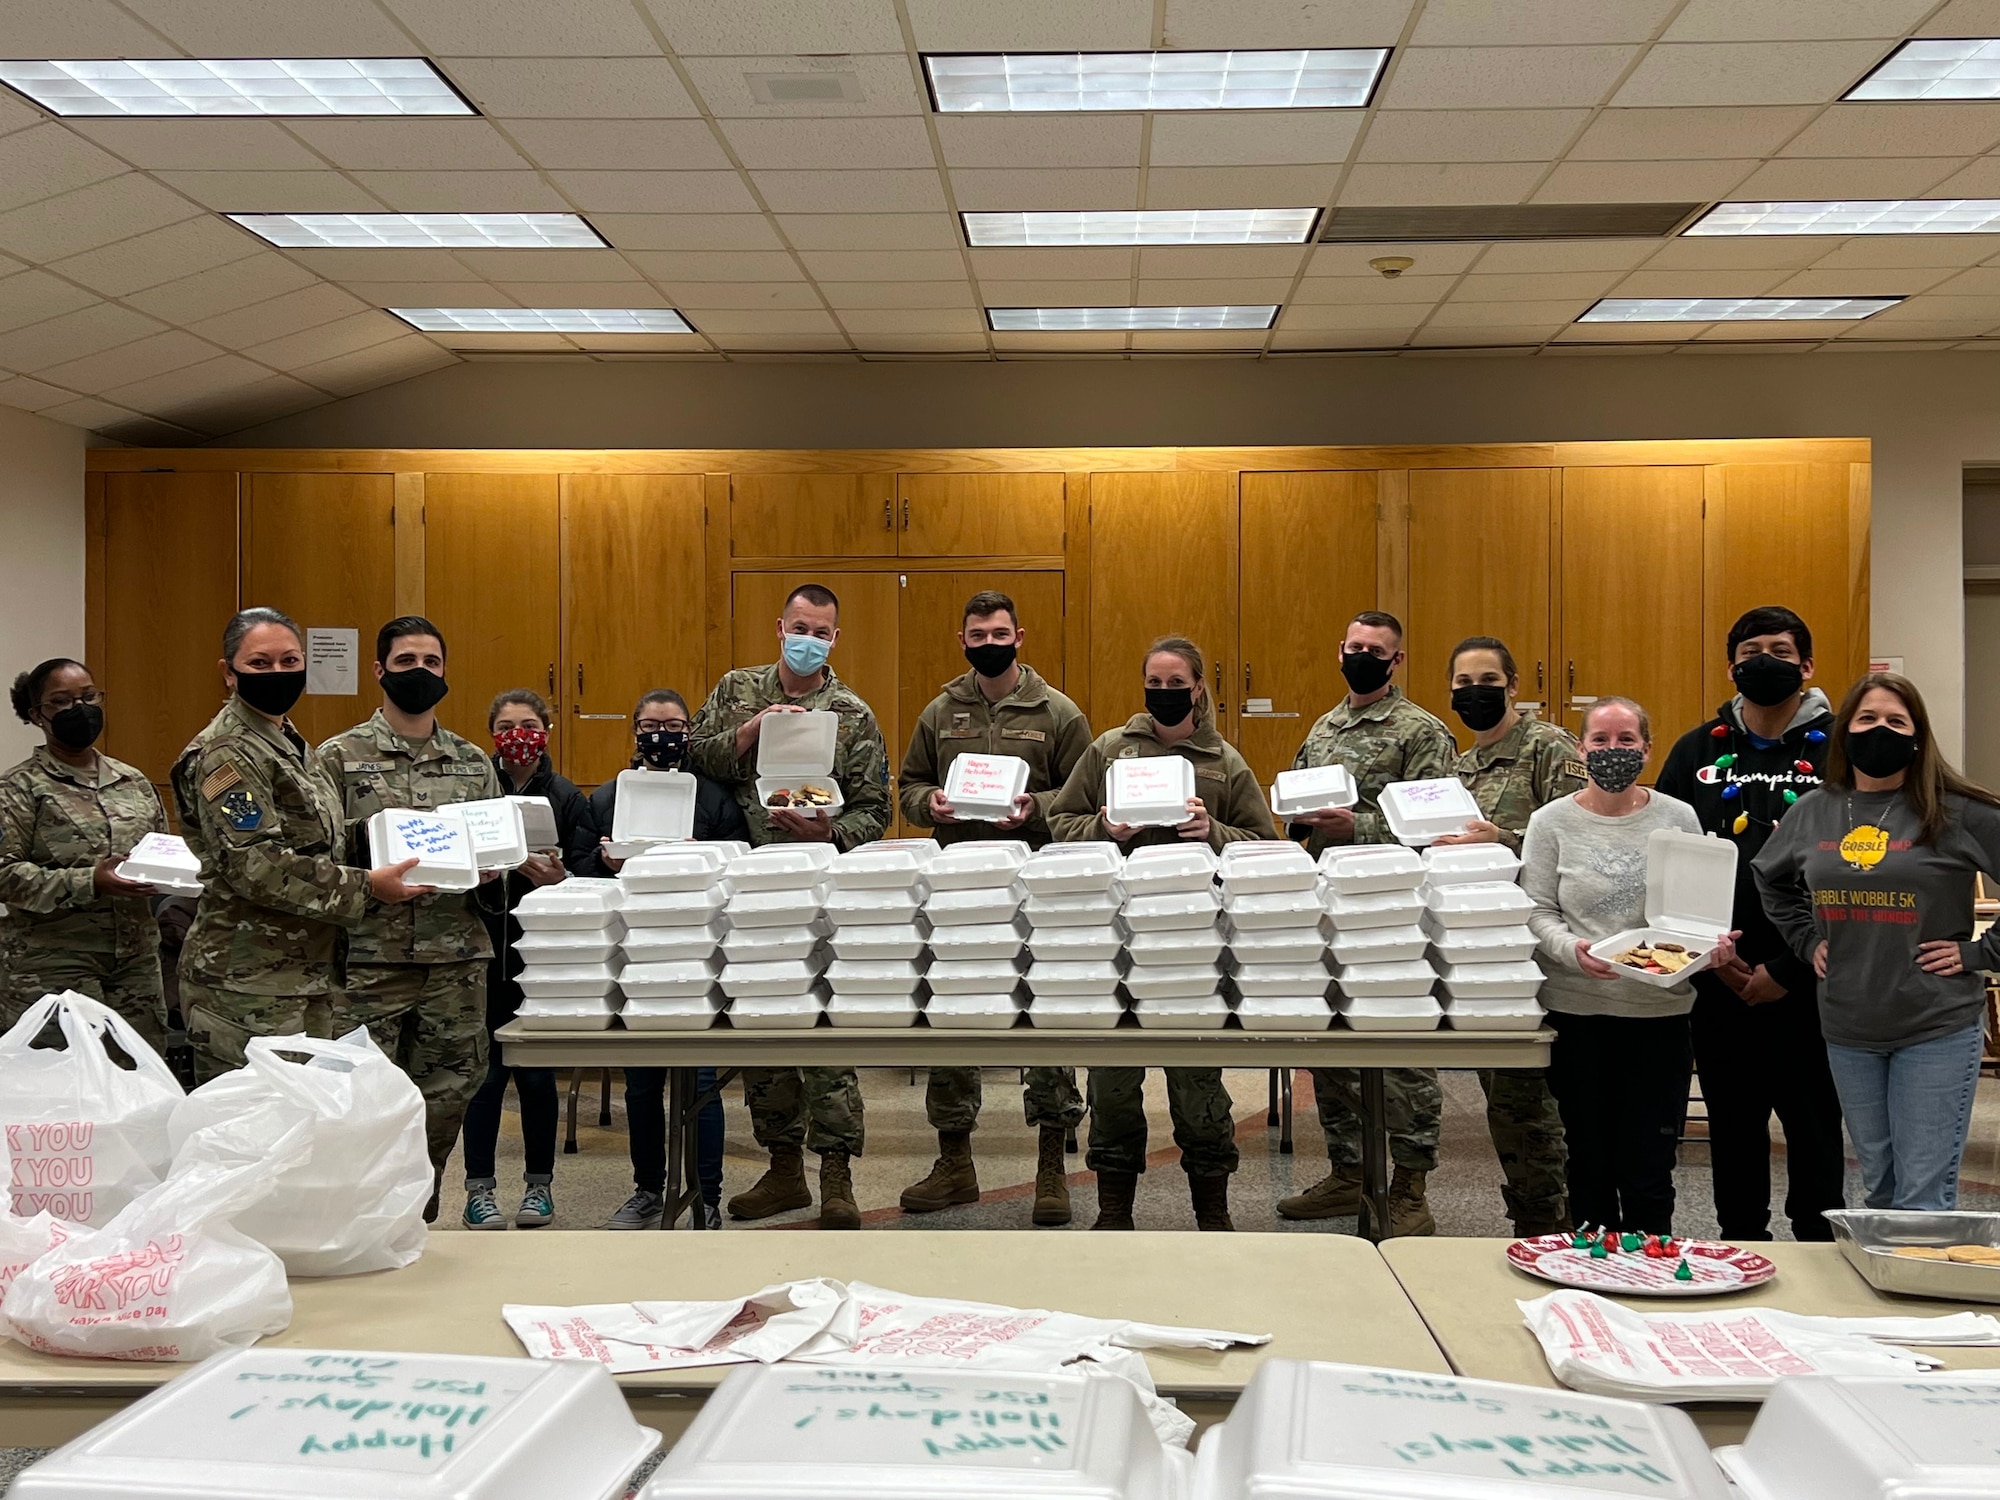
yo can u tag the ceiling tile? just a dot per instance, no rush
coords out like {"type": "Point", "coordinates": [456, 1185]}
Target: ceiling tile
{"type": "Point", "coordinates": [398, 359]}
{"type": "Point", "coordinates": [657, 192]}
{"type": "Point", "coordinates": [1423, 135]}
{"type": "Point", "coordinates": [361, 330]}
{"type": "Point", "coordinates": [580, 294]}
{"type": "Point", "coordinates": [1220, 260]}
{"type": "Point", "coordinates": [1504, 77]}
{"type": "Point", "coordinates": [1864, 177]}
{"type": "Point", "coordinates": [706, 28]}
{"type": "Point", "coordinates": [71, 336]}
{"type": "Point", "coordinates": [1642, 181]}
{"type": "Point", "coordinates": [887, 85]}
{"type": "Point", "coordinates": [1373, 291]}
{"type": "Point", "coordinates": [884, 141]}
{"type": "Point", "coordinates": [1235, 292]}
{"type": "Point", "coordinates": [293, 312]}
{"type": "Point", "coordinates": [621, 145]}
{"type": "Point", "coordinates": [324, 192]}
{"type": "Point", "coordinates": [1442, 182]}
{"type": "Point", "coordinates": [1670, 134]}
{"type": "Point", "coordinates": [870, 231]}
{"type": "Point", "coordinates": [1980, 179]}
{"type": "Point", "coordinates": [246, 405]}
{"type": "Point", "coordinates": [1352, 260]}
{"type": "Point", "coordinates": [409, 145]}
{"type": "Point", "coordinates": [1653, 283]}
{"type": "Point", "coordinates": [1333, 339]}
{"type": "Point", "coordinates": [47, 159]}
{"type": "Point", "coordinates": [76, 28]}
{"type": "Point", "coordinates": [1747, 73]}
{"type": "Point", "coordinates": [463, 192]}
{"type": "Point", "coordinates": [1511, 314]}
{"type": "Point", "coordinates": [207, 294]}
{"type": "Point", "coordinates": [861, 294]}
{"type": "Point", "coordinates": [783, 345]}
{"type": "Point", "coordinates": [1979, 281]}
{"type": "Point", "coordinates": [703, 265]}
{"type": "Point", "coordinates": [1940, 128]}
{"type": "Point", "coordinates": [213, 377]}
{"type": "Point", "coordinates": [1982, 311]}
{"type": "Point", "coordinates": [1852, 283]}
{"type": "Point", "coordinates": [1044, 140]}
{"type": "Point", "coordinates": [687, 231]}
{"type": "Point", "coordinates": [172, 350]}
{"type": "Point", "coordinates": [843, 192]}
{"type": "Point", "coordinates": [31, 395]}
{"type": "Point", "coordinates": [699, 296]}
{"type": "Point", "coordinates": [1403, 316]}
{"type": "Point", "coordinates": [884, 265]}
{"type": "Point", "coordinates": [1032, 25]}
{"type": "Point", "coordinates": [91, 413]}
{"type": "Point", "coordinates": [1891, 251]}
{"type": "Point", "coordinates": [257, 145]}
{"type": "Point", "coordinates": [1787, 20]}
{"type": "Point", "coordinates": [509, 342]}
{"type": "Point", "coordinates": [649, 344]}
{"type": "Point", "coordinates": [17, 114]}
{"type": "Point", "coordinates": [1197, 340]}
{"type": "Point", "coordinates": [426, 293]}
{"type": "Point", "coordinates": [546, 88]}
{"type": "Point", "coordinates": [1733, 253]}
{"type": "Point", "coordinates": [30, 296]}
{"type": "Point", "coordinates": [379, 265]}
{"type": "Point", "coordinates": [545, 265]}
{"type": "Point", "coordinates": [100, 214]}
{"type": "Point", "coordinates": [1258, 138]}
{"type": "Point", "coordinates": [921, 343]}
{"type": "Point", "coordinates": [1221, 24]}
{"type": "Point", "coordinates": [1527, 22]}
{"type": "Point", "coordinates": [1528, 286]}
{"type": "Point", "coordinates": [912, 320]}
{"type": "Point", "coordinates": [1058, 342]}
{"type": "Point", "coordinates": [324, 28]}
{"type": "Point", "coordinates": [1068, 264]}
{"type": "Point", "coordinates": [1964, 18]}
{"type": "Point", "coordinates": [545, 28]}
{"type": "Point", "coordinates": [1238, 187]}
{"type": "Point", "coordinates": [1026, 188]}
{"type": "Point", "coordinates": [1055, 293]}
{"type": "Point", "coordinates": [1565, 255]}
{"type": "Point", "coordinates": [776, 320]}
{"type": "Point", "coordinates": [1458, 335]}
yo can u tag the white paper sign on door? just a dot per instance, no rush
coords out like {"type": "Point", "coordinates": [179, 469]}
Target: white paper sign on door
{"type": "Point", "coordinates": [333, 660]}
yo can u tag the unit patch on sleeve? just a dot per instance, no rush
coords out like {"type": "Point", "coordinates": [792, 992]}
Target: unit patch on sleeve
{"type": "Point", "coordinates": [242, 811]}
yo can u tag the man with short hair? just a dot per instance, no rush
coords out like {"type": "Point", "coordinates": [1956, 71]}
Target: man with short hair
{"type": "Point", "coordinates": [415, 974]}
{"type": "Point", "coordinates": [722, 744]}
{"type": "Point", "coordinates": [1380, 736]}
{"type": "Point", "coordinates": [1757, 1041]}
{"type": "Point", "coordinates": [1000, 707]}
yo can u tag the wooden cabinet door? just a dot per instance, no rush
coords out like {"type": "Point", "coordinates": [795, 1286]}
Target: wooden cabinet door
{"type": "Point", "coordinates": [980, 515]}
{"type": "Point", "coordinates": [1162, 562]}
{"type": "Point", "coordinates": [1306, 565]}
{"type": "Point", "coordinates": [866, 656]}
{"type": "Point", "coordinates": [1479, 565]}
{"type": "Point", "coordinates": [812, 515]}
{"type": "Point", "coordinates": [633, 607]}
{"type": "Point", "coordinates": [933, 609]}
{"type": "Point", "coordinates": [1632, 595]}
{"type": "Point", "coordinates": [170, 572]}
{"type": "Point", "coordinates": [292, 525]}
{"type": "Point", "coordinates": [493, 585]}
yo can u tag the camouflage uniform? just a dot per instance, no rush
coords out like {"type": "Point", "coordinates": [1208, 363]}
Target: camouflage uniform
{"type": "Point", "coordinates": [56, 823]}
{"type": "Point", "coordinates": [1389, 740]}
{"type": "Point", "coordinates": [1043, 727]}
{"type": "Point", "coordinates": [1532, 764]}
{"type": "Point", "coordinates": [782, 1100]}
{"type": "Point", "coordinates": [1204, 1125]}
{"type": "Point", "coordinates": [415, 974]}
{"type": "Point", "coordinates": [265, 820]}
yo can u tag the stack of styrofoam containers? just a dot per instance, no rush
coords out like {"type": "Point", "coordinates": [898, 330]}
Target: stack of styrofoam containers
{"type": "Point", "coordinates": [1076, 939]}
{"type": "Point", "coordinates": [569, 951]}
{"type": "Point", "coordinates": [1177, 942]}
{"type": "Point", "coordinates": [1277, 937]}
{"type": "Point", "coordinates": [670, 949]}
{"type": "Point", "coordinates": [977, 937]}
{"type": "Point", "coordinates": [876, 912]}
{"type": "Point", "coordinates": [1476, 919]}
{"type": "Point", "coordinates": [1372, 903]}
{"type": "Point", "coordinates": [773, 951]}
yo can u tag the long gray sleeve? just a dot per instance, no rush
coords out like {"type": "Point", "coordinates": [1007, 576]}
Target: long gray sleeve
{"type": "Point", "coordinates": [1781, 882]}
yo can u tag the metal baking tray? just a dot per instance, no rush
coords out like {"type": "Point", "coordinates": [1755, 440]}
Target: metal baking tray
{"type": "Point", "coordinates": [1867, 1236]}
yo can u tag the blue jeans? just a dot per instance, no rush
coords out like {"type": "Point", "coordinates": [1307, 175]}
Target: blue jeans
{"type": "Point", "coordinates": [1907, 1113]}
{"type": "Point", "coordinates": [646, 1120]}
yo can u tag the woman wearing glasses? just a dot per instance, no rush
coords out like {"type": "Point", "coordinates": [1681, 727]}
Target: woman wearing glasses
{"type": "Point", "coordinates": [68, 815]}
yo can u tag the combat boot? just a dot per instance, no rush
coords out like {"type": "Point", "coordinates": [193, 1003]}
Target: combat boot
{"type": "Point", "coordinates": [1211, 1201]}
{"type": "Point", "coordinates": [1115, 1192]}
{"type": "Point", "coordinates": [837, 1209]}
{"type": "Point", "coordinates": [1052, 1179]}
{"type": "Point", "coordinates": [1409, 1210]}
{"type": "Point", "coordinates": [953, 1180]}
{"type": "Point", "coordinates": [782, 1187]}
{"type": "Point", "coordinates": [1336, 1196]}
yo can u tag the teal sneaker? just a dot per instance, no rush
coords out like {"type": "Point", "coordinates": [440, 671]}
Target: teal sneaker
{"type": "Point", "coordinates": [482, 1210]}
{"type": "Point", "coordinates": [538, 1207]}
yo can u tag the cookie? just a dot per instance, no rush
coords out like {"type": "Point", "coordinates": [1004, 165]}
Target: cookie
{"type": "Point", "coordinates": [1921, 1252]}
{"type": "Point", "coordinates": [1974, 1255]}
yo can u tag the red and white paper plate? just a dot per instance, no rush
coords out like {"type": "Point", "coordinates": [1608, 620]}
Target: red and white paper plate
{"type": "Point", "coordinates": [1717, 1268]}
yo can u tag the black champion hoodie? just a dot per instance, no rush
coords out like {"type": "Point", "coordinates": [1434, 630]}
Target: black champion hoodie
{"type": "Point", "coordinates": [1761, 776]}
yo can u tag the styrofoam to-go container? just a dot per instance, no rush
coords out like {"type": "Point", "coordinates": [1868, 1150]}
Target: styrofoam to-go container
{"type": "Point", "coordinates": [1690, 896]}
{"type": "Point", "coordinates": [164, 861]}
{"type": "Point", "coordinates": [1176, 946]}
{"type": "Point", "coordinates": [692, 1013]}
{"type": "Point", "coordinates": [598, 945]}
{"type": "Point", "coordinates": [1276, 945]}
{"type": "Point", "coordinates": [437, 839]}
{"type": "Point", "coordinates": [972, 976]}
{"type": "Point", "coordinates": [876, 867]}
{"type": "Point", "coordinates": [1269, 872]}
{"type": "Point", "coordinates": [787, 907]}
{"type": "Point", "coordinates": [1148, 791]}
{"type": "Point", "coordinates": [1412, 977]}
{"type": "Point", "coordinates": [983, 788]}
{"type": "Point", "coordinates": [674, 908]}
{"type": "Point", "coordinates": [1075, 909]}
{"type": "Point", "coordinates": [793, 976]}
{"type": "Point", "coordinates": [1313, 789]}
{"type": "Point", "coordinates": [1252, 913]}
{"type": "Point", "coordinates": [1479, 945]}
{"type": "Point", "coordinates": [574, 905]}
{"type": "Point", "coordinates": [795, 751]}
{"type": "Point", "coordinates": [295, 1424]}
{"type": "Point", "coordinates": [754, 945]}
{"type": "Point", "coordinates": [1284, 1013]}
{"type": "Point", "coordinates": [1371, 867]}
{"type": "Point", "coordinates": [687, 867]}
{"type": "Point", "coordinates": [1047, 979]}
{"type": "Point", "coordinates": [1209, 1012]}
{"type": "Point", "coordinates": [1492, 903]}
{"type": "Point", "coordinates": [1872, 1437]}
{"type": "Point", "coordinates": [1494, 1015]}
{"type": "Point", "coordinates": [1290, 980]}
{"type": "Point", "coordinates": [982, 905]}
{"type": "Point", "coordinates": [982, 940]}
{"type": "Point", "coordinates": [872, 906]}
{"type": "Point", "coordinates": [850, 1009]}
{"type": "Point", "coordinates": [1389, 1012]}
{"type": "Point", "coordinates": [1379, 945]}
{"type": "Point", "coordinates": [977, 865]}
{"type": "Point", "coordinates": [669, 945]}
{"type": "Point", "coordinates": [573, 1014]}
{"type": "Point", "coordinates": [538, 822]}
{"type": "Point", "coordinates": [793, 1011]}
{"type": "Point", "coordinates": [782, 867]}
{"type": "Point", "coordinates": [1076, 1012]}
{"type": "Point", "coordinates": [1077, 944]}
{"type": "Point", "coordinates": [1421, 811]}
{"type": "Point", "coordinates": [569, 981]}
{"type": "Point", "coordinates": [1165, 869]}
{"type": "Point", "coordinates": [1375, 909]}
{"type": "Point", "coordinates": [991, 1010]}
{"type": "Point", "coordinates": [1516, 981]}
{"type": "Point", "coordinates": [687, 979]}
{"type": "Point", "coordinates": [1466, 864]}
{"type": "Point", "coordinates": [1172, 912]}
{"type": "Point", "coordinates": [1071, 869]}
{"type": "Point", "coordinates": [1174, 982]}
{"type": "Point", "coordinates": [499, 836]}
{"type": "Point", "coordinates": [898, 943]}
{"type": "Point", "coordinates": [896, 978]}
{"type": "Point", "coordinates": [653, 807]}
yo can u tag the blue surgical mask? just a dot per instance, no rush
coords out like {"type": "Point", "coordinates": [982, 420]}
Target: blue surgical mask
{"type": "Point", "coordinates": [806, 654]}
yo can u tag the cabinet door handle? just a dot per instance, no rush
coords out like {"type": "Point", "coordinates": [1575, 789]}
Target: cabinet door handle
{"type": "Point", "coordinates": [552, 679]}
{"type": "Point", "coordinates": [906, 514]}
{"type": "Point", "coordinates": [888, 515]}
{"type": "Point", "coordinates": [1538, 677]}
{"type": "Point", "coordinates": [1246, 679]}
{"type": "Point", "coordinates": [579, 680]}
{"type": "Point", "coordinates": [1221, 676]}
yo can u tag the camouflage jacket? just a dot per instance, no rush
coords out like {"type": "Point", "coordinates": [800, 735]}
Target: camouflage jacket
{"type": "Point", "coordinates": [1390, 740]}
{"type": "Point", "coordinates": [376, 768]}
{"type": "Point", "coordinates": [56, 823]}
{"type": "Point", "coordinates": [860, 759]}
{"type": "Point", "coordinates": [1223, 780]}
{"type": "Point", "coordinates": [265, 819]}
{"type": "Point", "coordinates": [1034, 722]}
{"type": "Point", "coordinates": [1531, 764]}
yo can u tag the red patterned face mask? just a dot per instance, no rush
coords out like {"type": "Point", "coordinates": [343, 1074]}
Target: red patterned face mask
{"type": "Point", "coordinates": [521, 747]}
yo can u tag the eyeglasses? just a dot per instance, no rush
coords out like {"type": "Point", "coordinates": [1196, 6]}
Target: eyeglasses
{"type": "Point", "coordinates": [62, 702]}
{"type": "Point", "coordinates": [654, 726]}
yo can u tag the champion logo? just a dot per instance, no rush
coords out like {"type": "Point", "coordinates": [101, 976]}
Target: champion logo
{"type": "Point", "coordinates": [1712, 775]}
{"type": "Point", "coordinates": [1708, 775]}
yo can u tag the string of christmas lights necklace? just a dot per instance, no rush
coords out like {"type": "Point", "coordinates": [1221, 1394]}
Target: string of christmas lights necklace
{"type": "Point", "coordinates": [1732, 791]}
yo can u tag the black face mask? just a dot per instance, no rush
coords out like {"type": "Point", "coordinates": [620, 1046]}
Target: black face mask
{"type": "Point", "coordinates": [663, 749]}
{"type": "Point", "coordinates": [78, 726]}
{"type": "Point", "coordinates": [271, 692]}
{"type": "Point", "coordinates": [1479, 706]}
{"type": "Point", "coordinates": [1767, 680]}
{"type": "Point", "coordinates": [417, 691]}
{"type": "Point", "coordinates": [1615, 768]}
{"type": "Point", "coordinates": [1169, 706]}
{"type": "Point", "coordinates": [991, 660]}
{"type": "Point", "coordinates": [1880, 751]}
{"type": "Point", "coordinates": [1364, 671]}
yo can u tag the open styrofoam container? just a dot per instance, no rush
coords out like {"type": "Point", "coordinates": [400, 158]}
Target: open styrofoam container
{"type": "Point", "coordinates": [1412, 977]}
{"type": "Point", "coordinates": [876, 867]}
{"type": "Point", "coordinates": [992, 1010]}
{"type": "Point", "coordinates": [1071, 869]}
{"type": "Point", "coordinates": [572, 1014]}
{"type": "Point", "coordinates": [1493, 1015]}
{"type": "Point", "coordinates": [980, 940]}
{"type": "Point", "coordinates": [307, 1424]}
{"type": "Point", "coordinates": [977, 865]}
{"type": "Point", "coordinates": [982, 788]}
{"type": "Point", "coordinates": [589, 946]}
{"type": "Point", "coordinates": [164, 861]}
{"type": "Point", "coordinates": [1209, 1012]}
{"type": "Point", "coordinates": [1185, 945]}
{"type": "Point", "coordinates": [1371, 867]}
{"type": "Point", "coordinates": [782, 867]}
{"type": "Point", "coordinates": [1389, 1012]}
{"type": "Point", "coordinates": [1516, 981]}
{"type": "Point", "coordinates": [438, 840]}
{"type": "Point", "coordinates": [676, 908]}
{"type": "Point", "coordinates": [762, 945]}
{"type": "Point", "coordinates": [794, 1011]}
{"type": "Point", "coordinates": [1690, 896]}
{"type": "Point", "coordinates": [574, 905]}
{"type": "Point", "coordinates": [1047, 979]}
{"type": "Point", "coordinates": [1075, 909]}
{"type": "Point", "coordinates": [1164, 869]}
{"type": "Point", "coordinates": [1313, 789]}
{"type": "Point", "coordinates": [902, 942]}
{"type": "Point", "coordinates": [538, 822]}
{"type": "Point", "coordinates": [780, 908]}
{"type": "Point", "coordinates": [1464, 864]}
{"type": "Point", "coordinates": [569, 981]}
{"type": "Point", "coordinates": [653, 807]}
{"type": "Point", "coordinates": [1376, 909]}
{"type": "Point", "coordinates": [1479, 945]}
{"type": "Point", "coordinates": [1491, 903]}
{"type": "Point", "coordinates": [1283, 979]}
{"type": "Point", "coordinates": [1150, 791]}
{"type": "Point", "coordinates": [1379, 945]}
{"type": "Point", "coordinates": [1076, 1012]}
{"type": "Point", "coordinates": [1269, 872]}
{"type": "Point", "coordinates": [794, 750]}
{"type": "Point", "coordinates": [1871, 1437]}
{"type": "Point", "coordinates": [1275, 909]}
{"type": "Point", "coordinates": [793, 976]}
{"type": "Point", "coordinates": [872, 906]}
{"type": "Point", "coordinates": [687, 979]}
{"type": "Point", "coordinates": [1284, 1013]}
{"type": "Point", "coordinates": [1276, 945]}
{"type": "Point", "coordinates": [963, 908]}
{"type": "Point", "coordinates": [1351, 1432]}
{"type": "Point", "coordinates": [850, 1009]}
{"type": "Point", "coordinates": [899, 978]}
{"type": "Point", "coordinates": [1174, 982]}
{"type": "Point", "coordinates": [1173, 912]}
{"type": "Point", "coordinates": [667, 945]}
{"type": "Point", "coordinates": [972, 976]}
{"type": "Point", "coordinates": [696, 1013]}
{"type": "Point", "coordinates": [499, 837]}
{"type": "Point", "coordinates": [1077, 944]}
{"type": "Point", "coordinates": [1420, 811]}
{"type": "Point", "coordinates": [687, 867]}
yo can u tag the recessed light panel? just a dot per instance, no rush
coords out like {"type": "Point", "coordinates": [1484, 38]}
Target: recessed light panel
{"type": "Point", "coordinates": [1876, 216]}
{"type": "Point", "coordinates": [1331, 78]}
{"type": "Point", "coordinates": [1165, 226]}
{"type": "Point", "coordinates": [1731, 309]}
{"type": "Point", "coordinates": [544, 319]}
{"type": "Point", "coordinates": [1945, 68]}
{"type": "Point", "coordinates": [181, 86]}
{"type": "Point", "coordinates": [423, 231]}
{"type": "Point", "coordinates": [1092, 319]}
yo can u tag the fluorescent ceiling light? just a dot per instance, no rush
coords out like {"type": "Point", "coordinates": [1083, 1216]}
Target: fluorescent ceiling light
{"type": "Point", "coordinates": [1332, 78]}
{"type": "Point", "coordinates": [423, 231]}
{"type": "Point", "coordinates": [1877, 216]}
{"type": "Point", "coordinates": [1731, 309]}
{"type": "Point", "coordinates": [1082, 319]}
{"type": "Point", "coordinates": [178, 86]}
{"type": "Point", "coordinates": [1163, 226]}
{"type": "Point", "coordinates": [1946, 68]}
{"type": "Point", "coordinates": [544, 319]}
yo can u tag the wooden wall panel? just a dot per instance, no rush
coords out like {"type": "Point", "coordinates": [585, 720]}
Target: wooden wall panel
{"type": "Point", "coordinates": [933, 606]}
{"type": "Point", "coordinates": [980, 515]}
{"type": "Point", "coordinates": [813, 515]}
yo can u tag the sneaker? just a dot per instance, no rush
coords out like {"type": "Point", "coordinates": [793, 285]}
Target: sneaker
{"type": "Point", "coordinates": [643, 1210]}
{"type": "Point", "coordinates": [482, 1210]}
{"type": "Point", "coordinates": [538, 1207]}
{"type": "Point", "coordinates": [711, 1216]}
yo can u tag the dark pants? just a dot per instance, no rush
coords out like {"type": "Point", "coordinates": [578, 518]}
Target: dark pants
{"type": "Point", "coordinates": [1621, 1083]}
{"type": "Point", "coordinates": [1756, 1061]}
{"type": "Point", "coordinates": [646, 1119]}
{"type": "Point", "coordinates": [540, 1110]}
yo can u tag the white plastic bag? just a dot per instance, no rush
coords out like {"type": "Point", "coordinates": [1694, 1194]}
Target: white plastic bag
{"type": "Point", "coordinates": [170, 1278]}
{"type": "Point", "coordinates": [25, 1241]}
{"type": "Point", "coordinates": [84, 1136]}
{"type": "Point", "coordinates": [357, 1202]}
